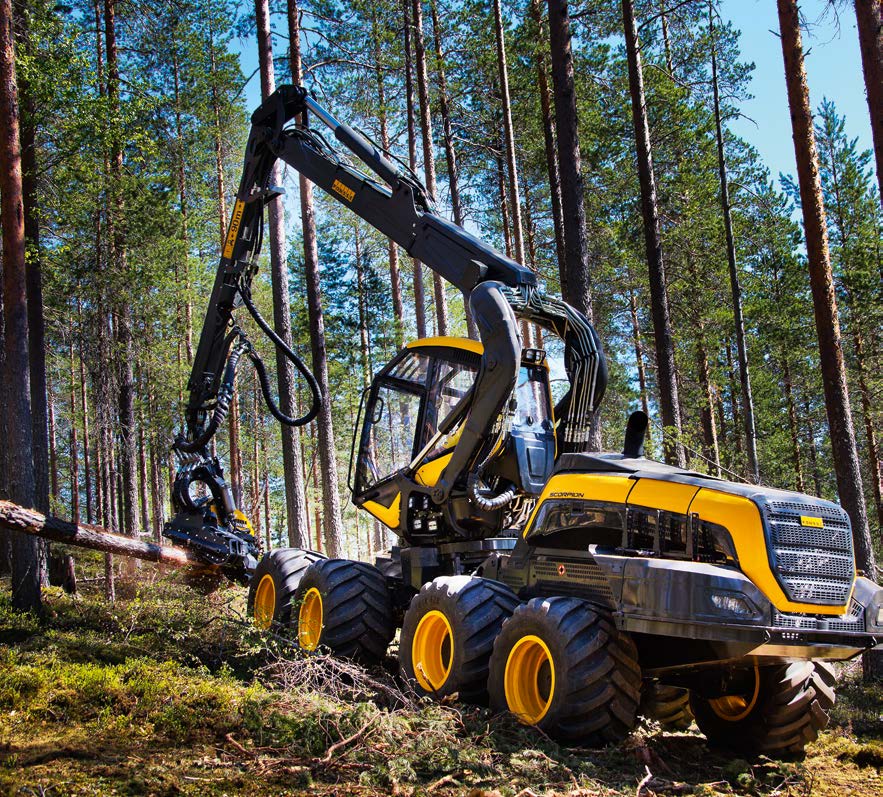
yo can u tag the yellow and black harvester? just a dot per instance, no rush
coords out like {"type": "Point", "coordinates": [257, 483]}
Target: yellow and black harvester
{"type": "Point", "coordinates": [576, 590]}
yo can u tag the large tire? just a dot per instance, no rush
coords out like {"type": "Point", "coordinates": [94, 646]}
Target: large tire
{"type": "Point", "coordinates": [273, 584]}
{"type": "Point", "coordinates": [448, 635]}
{"type": "Point", "coordinates": [779, 715]}
{"type": "Point", "coordinates": [668, 705]}
{"type": "Point", "coordinates": [560, 664]}
{"type": "Point", "coordinates": [345, 607]}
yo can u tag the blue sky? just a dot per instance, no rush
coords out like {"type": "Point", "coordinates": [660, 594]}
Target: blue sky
{"type": "Point", "coordinates": [833, 65]}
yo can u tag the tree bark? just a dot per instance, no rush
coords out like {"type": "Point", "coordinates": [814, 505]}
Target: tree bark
{"type": "Point", "coordinates": [87, 438]}
{"type": "Point", "coordinates": [735, 287]}
{"type": "Point", "coordinates": [395, 280]}
{"type": "Point", "coordinates": [450, 152]}
{"type": "Point", "coordinates": [509, 138]}
{"type": "Point", "coordinates": [123, 314]}
{"type": "Point", "coordinates": [325, 428]}
{"type": "Point", "coordinates": [35, 524]}
{"type": "Point", "coordinates": [74, 451]}
{"type": "Point", "coordinates": [846, 462]}
{"type": "Point", "coordinates": [53, 449]}
{"type": "Point", "coordinates": [869, 15]}
{"type": "Point", "coordinates": [34, 276]}
{"type": "Point", "coordinates": [576, 284]}
{"type": "Point", "coordinates": [549, 142]}
{"type": "Point", "coordinates": [792, 425]}
{"type": "Point", "coordinates": [419, 288]}
{"type": "Point", "coordinates": [665, 356]}
{"type": "Point", "coordinates": [438, 284]}
{"type": "Point", "coordinates": [294, 492]}
{"type": "Point", "coordinates": [18, 442]}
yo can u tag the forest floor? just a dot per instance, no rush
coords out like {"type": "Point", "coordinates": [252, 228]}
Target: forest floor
{"type": "Point", "coordinates": [168, 692]}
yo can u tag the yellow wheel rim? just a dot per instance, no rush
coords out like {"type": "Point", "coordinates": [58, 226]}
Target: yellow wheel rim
{"type": "Point", "coordinates": [309, 620]}
{"type": "Point", "coordinates": [529, 680]}
{"type": "Point", "coordinates": [733, 708]}
{"type": "Point", "coordinates": [265, 602]}
{"type": "Point", "coordinates": [432, 651]}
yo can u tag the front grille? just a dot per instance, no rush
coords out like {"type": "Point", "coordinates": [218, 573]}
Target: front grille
{"type": "Point", "coordinates": [813, 565]}
{"type": "Point", "coordinates": [574, 578]}
{"type": "Point", "coordinates": [852, 622]}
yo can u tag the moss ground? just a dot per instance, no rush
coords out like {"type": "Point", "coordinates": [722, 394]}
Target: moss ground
{"type": "Point", "coordinates": [168, 692]}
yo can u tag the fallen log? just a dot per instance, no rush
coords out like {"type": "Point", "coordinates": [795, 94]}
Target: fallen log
{"type": "Point", "coordinates": [28, 521]}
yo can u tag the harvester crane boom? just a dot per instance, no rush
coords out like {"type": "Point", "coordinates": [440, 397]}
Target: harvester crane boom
{"type": "Point", "coordinates": [393, 201]}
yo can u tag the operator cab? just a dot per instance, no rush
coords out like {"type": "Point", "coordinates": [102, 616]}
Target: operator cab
{"type": "Point", "coordinates": [412, 418]}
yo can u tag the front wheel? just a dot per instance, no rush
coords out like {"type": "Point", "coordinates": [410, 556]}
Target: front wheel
{"type": "Point", "coordinates": [273, 584]}
{"type": "Point", "coordinates": [346, 607]}
{"type": "Point", "coordinates": [560, 664]}
{"type": "Point", "coordinates": [449, 632]}
{"type": "Point", "coordinates": [778, 710]}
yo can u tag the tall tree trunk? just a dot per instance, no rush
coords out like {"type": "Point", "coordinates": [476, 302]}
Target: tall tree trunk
{"type": "Point", "coordinates": [735, 287]}
{"type": "Point", "coordinates": [450, 152]}
{"type": "Point", "coordinates": [868, 418]}
{"type": "Point", "coordinates": [327, 450]}
{"type": "Point", "coordinates": [19, 482]}
{"type": "Point", "coordinates": [792, 424]}
{"type": "Point", "coordinates": [576, 282]}
{"type": "Point", "coordinates": [143, 484]}
{"type": "Point", "coordinates": [36, 323]}
{"type": "Point", "coordinates": [549, 140]}
{"type": "Point", "coordinates": [438, 284]}
{"type": "Point", "coordinates": [813, 448]}
{"type": "Point", "coordinates": [665, 355]}
{"type": "Point", "coordinates": [509, 138]}
{"type": "Point", "coordinates": [419, 288]}
{"type": "Point", "coordinates": [363, 308]}
{"type": "Point", "coordinates": [295, 500]}
{"type": "Point", "coordinates": [846, 463]}
{"type": "Point", "coordinates": [87, 438]}
{"type": "Point", "coordinates": [53, 449]}
{"type": "Point", "coordinates": [124, 321]}
{"type": "Point", "coordinates": [74, 442]}
{"type": "Point", "coordinates": [847, 245]}
{"type": "Point", "coordinates": [182, 205]}
{"type": "Point", "coordinates": [869, 14]}
{"type": "Point", "coordinates": [233, 418]}
{"type": "Point", "coordinates": [395, 280]}
{"type": "Point", "coordinates": [666, 41]}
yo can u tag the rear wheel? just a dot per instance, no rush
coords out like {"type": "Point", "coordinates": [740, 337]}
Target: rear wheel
{"type": "Point", "coordinates": [560, 664]}
{"type": "Point", "coordinates": [448, 634]}
{"type": "Point", "coordinates": [668, 705]}
{"type": "Point", "coordinates": [778, 711]}
{"type": "Point", "coordinates": [273, 584]}
{"type": "Point", "coordinates": [345, 606]}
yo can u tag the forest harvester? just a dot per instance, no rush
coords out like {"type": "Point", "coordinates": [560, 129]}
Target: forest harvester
{"type": "Point", "coordinates": [576, 590]}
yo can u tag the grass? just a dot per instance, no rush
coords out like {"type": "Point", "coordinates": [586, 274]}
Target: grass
{"type": "Point", "coordinates": [168, 692]}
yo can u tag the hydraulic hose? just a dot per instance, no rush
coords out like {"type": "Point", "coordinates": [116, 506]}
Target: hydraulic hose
{"type": "Point", "coordinates": [222, 406]}
{"type": "Point", "coordinates": [261, 370]}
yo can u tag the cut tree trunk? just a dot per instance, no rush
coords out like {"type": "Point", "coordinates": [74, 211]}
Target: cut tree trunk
{"type": "Point", "coordinates": [36, 524]}
{"type": "Point", "coordinates": [665, 356]}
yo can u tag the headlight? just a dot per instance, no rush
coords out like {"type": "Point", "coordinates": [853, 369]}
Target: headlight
{"type": "Point", "coordinates": [879, 620]}
{"type": "Point", "coordinates": [732, 604]}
